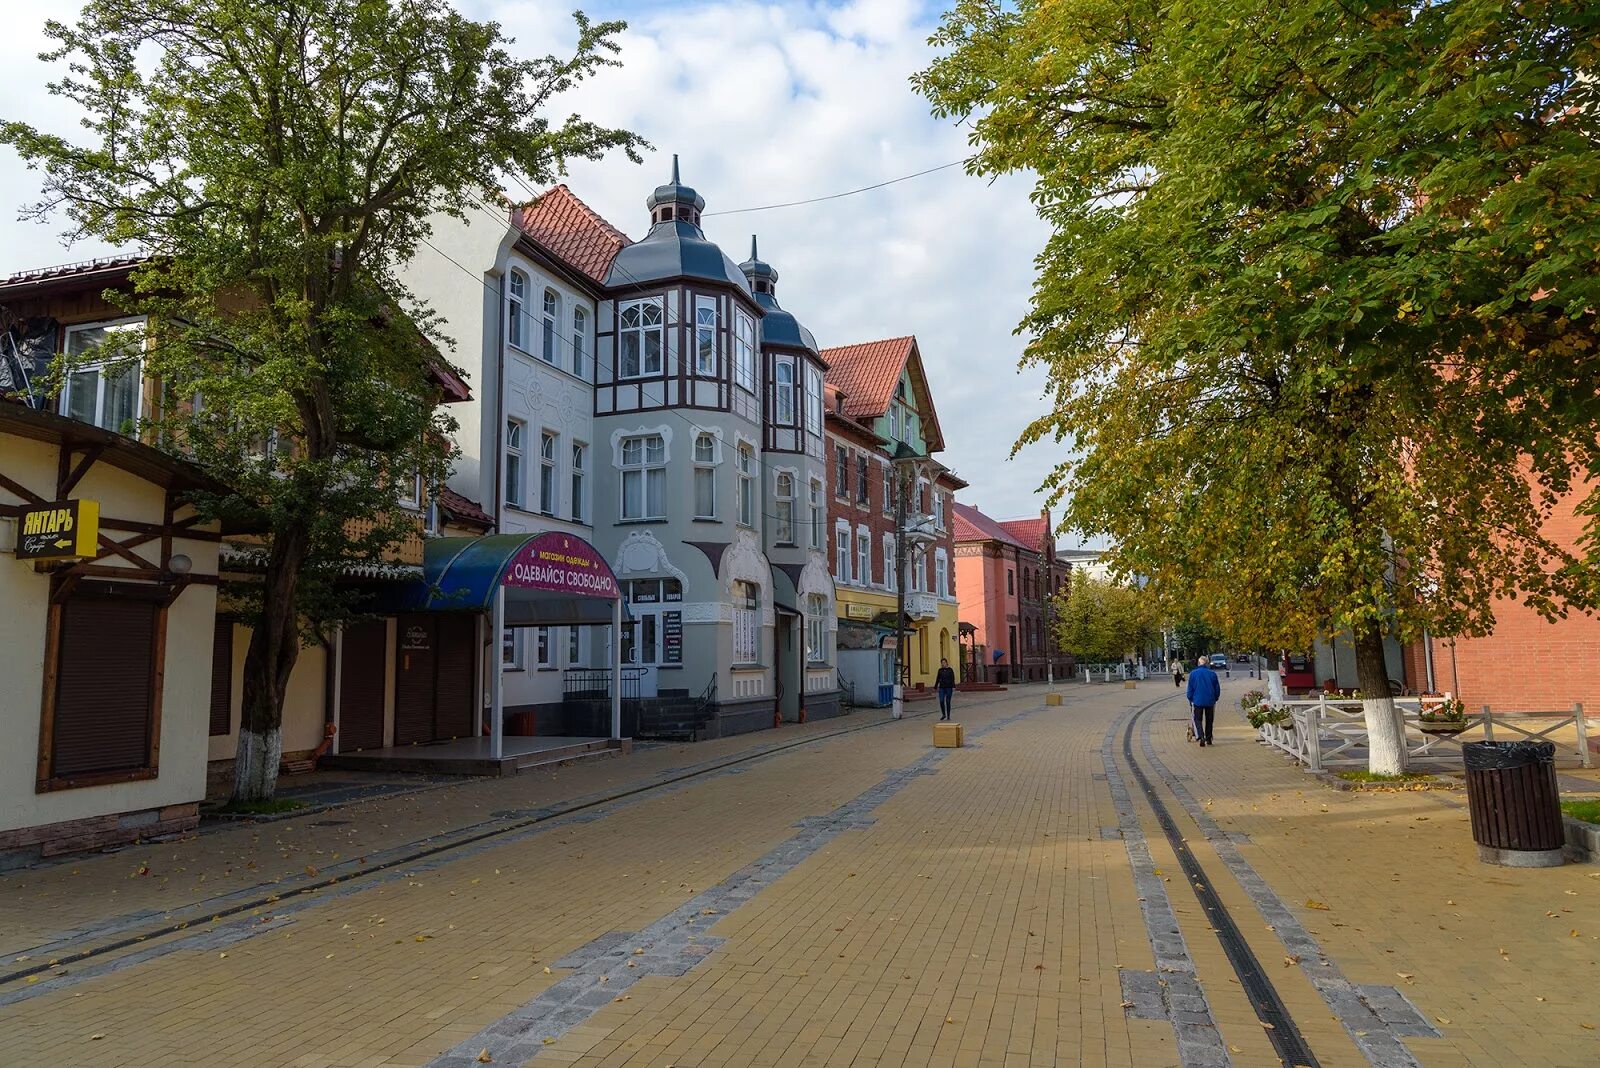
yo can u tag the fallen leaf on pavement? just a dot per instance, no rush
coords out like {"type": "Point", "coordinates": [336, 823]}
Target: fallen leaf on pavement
{"type": "Point", "coordinates": [483, 1056]}
{"type": "Point", "coordinates": [1310, 904]}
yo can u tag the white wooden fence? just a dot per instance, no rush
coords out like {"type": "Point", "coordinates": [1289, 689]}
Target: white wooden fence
{"type": "Point", "coordinates": [1324, 732]}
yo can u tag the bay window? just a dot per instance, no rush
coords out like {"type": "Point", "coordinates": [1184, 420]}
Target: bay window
{"type": "Point", "coordinates": [744, 351]}
{"type": "Point", "coordinates": [783, 499]}
{"type": "Point", "coordinates": [816, 629]}
{"type": "Point", "coordinates": [747, 490]}
{"type": "Point", "coordinates": [639, 338]}
{"type": "Point", "coordinates": [705, 476]}
{"type": "Point", "coordinates": [705, 336]}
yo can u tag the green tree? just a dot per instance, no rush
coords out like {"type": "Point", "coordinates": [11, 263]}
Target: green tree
{"type": "Point", "coordinates": [1318, 307]}
{"type": "Point", "coordinates": [278, 162]}
{"type": "Point", "coordinates": [1099, 621]}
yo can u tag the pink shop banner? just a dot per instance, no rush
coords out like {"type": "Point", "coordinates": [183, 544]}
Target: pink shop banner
{"type": "Point", "coordinates": [562, 563]}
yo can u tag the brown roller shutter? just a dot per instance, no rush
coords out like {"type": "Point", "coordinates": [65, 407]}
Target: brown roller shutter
{"type": "Point", "coordinates": [222, 678]}
{"type": "Point", "coordinates": [415, 645]}
{"type": "Point", "coordinates": [105, 685]}
{"type": "Point", "coordinates": [361, 677]}
{"type": "Point", "coordinates": [457, 673]}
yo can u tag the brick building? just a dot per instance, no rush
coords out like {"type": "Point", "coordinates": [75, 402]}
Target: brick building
{"type": "Point", "coordinates": [1008, 572]}
{"type": "Point", "coordinates": [879, 410]}
{"type": "Point", "coordinates": [1527, 663]}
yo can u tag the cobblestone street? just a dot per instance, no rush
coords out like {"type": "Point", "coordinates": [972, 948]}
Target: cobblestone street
{"type": "Point", "coordinates": [838, 893]}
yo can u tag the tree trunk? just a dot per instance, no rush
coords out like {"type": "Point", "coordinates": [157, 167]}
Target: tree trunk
{"type": "Point", "coordinates": [1386, 740]}
{"type": "Point", "coordinates": [274, 648]}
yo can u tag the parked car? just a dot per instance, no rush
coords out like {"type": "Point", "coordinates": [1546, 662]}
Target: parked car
{"type": "Point", "coordinates": [1219, 660]}
{"type": "Point", "coordinates": [1241, 658]}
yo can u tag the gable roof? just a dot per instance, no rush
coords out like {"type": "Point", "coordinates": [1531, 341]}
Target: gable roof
{"type": "Point", "coordinates": [1033, 532]}
{"type": "Point", "coordinates": [973, 525]}
{"type": "Point", "coordinates": [867, 374]}
{"type": "Point", "coordinates": [571, 231]}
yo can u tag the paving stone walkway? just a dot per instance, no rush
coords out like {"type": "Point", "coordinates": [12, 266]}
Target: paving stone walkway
{"type": "Point", "coordinates": [862, 899]}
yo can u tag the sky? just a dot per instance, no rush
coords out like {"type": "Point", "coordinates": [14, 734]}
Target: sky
{"type": "Point", "coordinates": [764, 104]}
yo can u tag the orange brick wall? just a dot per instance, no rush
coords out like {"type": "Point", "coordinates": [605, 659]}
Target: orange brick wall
{"type": "Point", "coordinates": [1526, 664]}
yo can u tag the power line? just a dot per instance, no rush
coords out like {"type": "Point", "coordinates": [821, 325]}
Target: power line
{"type": "Point", "coordinates": [837, 196]}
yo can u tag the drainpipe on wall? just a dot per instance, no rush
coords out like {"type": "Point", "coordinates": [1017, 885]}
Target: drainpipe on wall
{"type": "Point", "coordinates": [492, 646]}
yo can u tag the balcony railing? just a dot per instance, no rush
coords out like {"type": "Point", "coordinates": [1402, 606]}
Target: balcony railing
{"type": "Point", "coordinates": [922, 605]}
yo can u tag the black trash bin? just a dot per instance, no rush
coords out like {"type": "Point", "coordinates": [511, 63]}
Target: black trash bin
{"type": "Point", "coordinates": [1515, 803]}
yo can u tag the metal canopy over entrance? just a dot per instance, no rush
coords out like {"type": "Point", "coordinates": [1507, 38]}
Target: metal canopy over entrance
{"type": "Point", "coordinates": [524, 580]}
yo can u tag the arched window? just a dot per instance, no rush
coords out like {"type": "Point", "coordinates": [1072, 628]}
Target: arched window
{"type": "Point", "coordinates": [580, 341]}
{"type": "Point", "coordinates": [784, 385]}
{"type": "Point", "coordinates": [516, 328]}
{"type": "Point", "coordinates": [552, 310]}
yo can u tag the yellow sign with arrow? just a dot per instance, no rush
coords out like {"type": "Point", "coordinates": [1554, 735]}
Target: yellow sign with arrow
{"type": "Point", "coordinates": [59, 530]}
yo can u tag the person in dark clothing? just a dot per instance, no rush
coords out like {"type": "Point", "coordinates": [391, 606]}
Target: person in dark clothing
{"type": "Point", "coordinates": [1204, 690]}
{"type": "Point", "coordinates": [945, 683]}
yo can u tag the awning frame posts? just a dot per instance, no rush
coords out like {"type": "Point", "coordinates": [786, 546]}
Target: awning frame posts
{"type": "Point", "coordinates": [616, 670]}
{"type": "Point", "coordinates": [497, 682]}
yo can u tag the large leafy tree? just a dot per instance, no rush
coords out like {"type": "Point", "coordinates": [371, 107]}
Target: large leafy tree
{"type": "Point", "coordinates": [1318, 306]}
{"type": "Point", "coordinates": [1100, 621]}
{"type": "Point", "coordinates": [278, 162]}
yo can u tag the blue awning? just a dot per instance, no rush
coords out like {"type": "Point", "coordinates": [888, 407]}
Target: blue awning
{"type": "Point", "coordinates": [550, 579]}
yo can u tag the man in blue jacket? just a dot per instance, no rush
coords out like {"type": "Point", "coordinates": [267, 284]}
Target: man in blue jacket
{"type": "Point", "coordinates": [1204, 689]}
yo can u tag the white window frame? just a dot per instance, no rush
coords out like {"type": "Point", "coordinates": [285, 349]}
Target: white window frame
{"type": "Point", "coordinates": [888, 489]}
{"type": "Point", "coordinates": [705, 336]}
{"type": "Point", "coordinates": [744, 351]}
{"type": "Point", "coordinates": [544, 647]}
{"type": "Point", "coordinates": [516, 306]}
{"type": "Point", "coordinates": [813, 399]}
{"type": "Point", "coordinates": [133, 368]}
{"type": "Point", "coordinates": [783, 392]}
{"type": "Point", "coordinates": [574, 646]}
{"type": "Point", "coordinates": [580, 480]}
{"type": "Point", "coordinates": [783, 493]}
{"type": "Point", "coordinates": [816, 628]}
{"type": "Point", "coordinates": [580, 336]}
{"type": "Point", "coordinates": [640, 332]}
{"type": "Point", "coordinates": [550, 328]}
{"type": "Point", "coordinates": [941, 573]}
{"type": "Point", "coordinates": [705, 472]}
{"type": "Point", "coordinates": [515, 473]}
{"type": "Point", "coordinates": [549, 472]}
{"type": "Point", "coordinates": [646, 471]}
{"type": "Point", "coordinates": [864, 555]}
{"type": "Point", "coordinates": [746, 623]}
{"type": "Point", "coordinates": [842, 556]}
{"type": "Point", "coordinates": [517, 649]}
{"type": "Point", "coordinates": [891, 579]}
{"type": "Point", "coordinates": [818, 513]}
{"type": "Point", "coordinates": [745, 464]}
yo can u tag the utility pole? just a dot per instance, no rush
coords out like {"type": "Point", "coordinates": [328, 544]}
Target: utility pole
{"type": "Point", "coordinates": [898, 707]}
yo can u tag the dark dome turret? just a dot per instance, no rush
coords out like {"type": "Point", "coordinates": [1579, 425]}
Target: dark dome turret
{"type": "Point", "coordinates": [675, 247]}
{"type": "Point", "coordinates": [778, 327]}
{"type": "Point", "coordinates": [675, 201]}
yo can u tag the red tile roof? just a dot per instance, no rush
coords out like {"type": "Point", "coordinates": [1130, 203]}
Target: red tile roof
{"type": "Point", "coordinates": [867, 373]}
{"type": "Point", "coordinates": [1031, 532]}
{"type": "Point", "coordinates": [973, 525]}
{"type": "Point", "coordinates": [571, 231]}
{"type": "Point", "coordinates": [464, 511]}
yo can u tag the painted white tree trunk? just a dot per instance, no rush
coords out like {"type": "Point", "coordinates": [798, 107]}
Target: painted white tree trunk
{"type": "Point", "coordinates": [255, 769]}
{"type": "Point", "coordinates": [1386, 740]}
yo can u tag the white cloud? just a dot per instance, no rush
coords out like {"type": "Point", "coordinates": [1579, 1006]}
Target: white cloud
{"type": "Point", "coordinates": [767, 103]}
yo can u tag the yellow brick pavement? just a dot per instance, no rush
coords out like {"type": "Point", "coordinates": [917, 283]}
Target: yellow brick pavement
{"type": "Point", "coordinates": [981, 919]}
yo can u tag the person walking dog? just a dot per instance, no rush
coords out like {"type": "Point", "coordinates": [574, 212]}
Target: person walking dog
{"type": "Point", "coordinates": [1204, 689]}
{"type": "Point", "coordinates": [945, 683]}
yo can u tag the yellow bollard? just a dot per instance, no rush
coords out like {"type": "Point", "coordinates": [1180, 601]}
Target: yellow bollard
{"type": "Point", "coordinates": [1129, 684]}
{"type": "Point", "coordinates": [947, 736]}
{"type": "Point", "coordinates": [1052, 699]}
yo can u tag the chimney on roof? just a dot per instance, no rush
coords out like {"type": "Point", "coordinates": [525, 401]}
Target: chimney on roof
{"type": "Point", "coordinates": [675, 202]}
